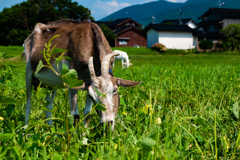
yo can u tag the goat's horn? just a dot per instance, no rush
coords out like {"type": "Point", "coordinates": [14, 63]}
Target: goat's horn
{"type": "Point", "coordinates": [91, 68]}
{"type": "Point", "coordinates": [105, 63]}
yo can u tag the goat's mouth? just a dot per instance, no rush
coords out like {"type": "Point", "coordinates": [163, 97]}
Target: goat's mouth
{"type": "Point", "coordinates": [102, 129]}
{"type": "Point", "coordinates": [105, 125]}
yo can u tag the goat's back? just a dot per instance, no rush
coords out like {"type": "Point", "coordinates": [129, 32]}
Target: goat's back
{"type": "Point", "coordinates": [81, 40]}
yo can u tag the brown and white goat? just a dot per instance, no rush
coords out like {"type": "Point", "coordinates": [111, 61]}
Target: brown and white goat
{"type": "Point", "coordinates": [91, 57]}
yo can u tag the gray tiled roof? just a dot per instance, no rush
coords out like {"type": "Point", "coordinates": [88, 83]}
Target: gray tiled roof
{"type": "Point", "coordinates": [176, 21]}
{"type": "Point", "coordinates": [223, 12]}
{"type": "Point", "coordinates": [162, 27]}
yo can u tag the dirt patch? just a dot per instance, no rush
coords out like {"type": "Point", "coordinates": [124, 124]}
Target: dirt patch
{"type": "Point", "coordinates": [17, 58]}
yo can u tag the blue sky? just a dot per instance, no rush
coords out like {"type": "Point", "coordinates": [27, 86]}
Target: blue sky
{"type": "Point", "coordinates": [99, 8]}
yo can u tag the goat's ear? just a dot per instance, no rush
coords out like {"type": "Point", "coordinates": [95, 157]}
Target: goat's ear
{"type": "Point", "coordinates": [83, 87]}
{"type": "Point", "coordinates": [126, 83]}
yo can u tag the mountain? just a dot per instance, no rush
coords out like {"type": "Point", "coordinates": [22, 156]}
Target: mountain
{"type": "Point", "coordinates": [163, 10]}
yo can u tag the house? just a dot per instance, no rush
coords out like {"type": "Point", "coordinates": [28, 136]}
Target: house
{"type": "Point", "coordinates": [128, 33]}
{"type": "Point", "coordinates": [172, 36]}
{"type": "Point", "coordinates": [189, 22]}
{"type": "Point", "coordinates": [213, 20]}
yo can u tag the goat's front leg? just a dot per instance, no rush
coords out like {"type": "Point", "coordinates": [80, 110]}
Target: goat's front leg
{"type": "Point", "coordinates": [72, 95]}
{"type": "Point", "coordinates": [87, 109]}
{"type": "Point", "coordinates": [122, 63]}
{"type": "Point", "coordinates": [29, 77]}
{"type": "Point", "coordinates": [50, 98]}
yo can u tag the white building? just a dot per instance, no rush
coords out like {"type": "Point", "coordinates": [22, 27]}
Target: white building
{"type": "Point", "coordinates": [173, 36]}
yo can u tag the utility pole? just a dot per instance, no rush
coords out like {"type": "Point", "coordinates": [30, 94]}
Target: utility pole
{"type": "Point", "coordinates": [180, 19]}
{"type": "Point", "coordinates": [153, 20]}
{"type": "Point", "coordinates": [220, 3]}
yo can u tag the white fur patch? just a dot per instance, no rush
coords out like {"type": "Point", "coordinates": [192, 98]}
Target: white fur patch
{"type": "Point", "coordinates": [108, 115]}
{"type": "Point", "coordinates": [37, 28]}
{"type": "Point", "coordinates": [109, 93]}
{"type": "Point", "coordinates": [93, 94]}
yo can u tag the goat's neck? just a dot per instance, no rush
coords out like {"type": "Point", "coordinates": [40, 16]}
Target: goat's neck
{"type": "Point", "coordinates": [127, 60]}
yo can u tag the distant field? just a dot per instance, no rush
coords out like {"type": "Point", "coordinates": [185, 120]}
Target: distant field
{"type": "Point", "coordinates": [12, 50]}
{"type": "Point", "coordinates": [186, 108]}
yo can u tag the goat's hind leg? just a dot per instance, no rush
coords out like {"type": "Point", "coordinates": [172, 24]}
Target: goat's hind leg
{"type": "Point", "coordinates": [50, 98]}
{"type": "Point", "coordinates": [87, 109]}
{"type": "Point", "coordinates": [28, 78]}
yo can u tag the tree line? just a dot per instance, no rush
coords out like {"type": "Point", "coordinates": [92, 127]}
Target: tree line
{"type": "Point", "coordinates": [17, 22]}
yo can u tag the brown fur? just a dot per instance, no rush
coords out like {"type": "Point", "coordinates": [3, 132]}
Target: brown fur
{"type": "Point", "coordinates": [81, 39]}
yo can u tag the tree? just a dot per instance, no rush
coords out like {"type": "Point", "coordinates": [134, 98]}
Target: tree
{"type": "Point", "coordinates": [205, 45]}
{"type": "Point", "coordinates": [232, 33]}
{"type": "Point", "coordinates": [108, 33]}
{"type": "Point", "coordinates": [17, 22]}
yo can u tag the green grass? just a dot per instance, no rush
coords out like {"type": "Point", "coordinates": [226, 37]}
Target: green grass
{"type": "Point", "coordinates": [186, 108]}
{"type": "Point", "coordinates": [12, 50]}
{"type": "Point", "coordinates": [148, 51]}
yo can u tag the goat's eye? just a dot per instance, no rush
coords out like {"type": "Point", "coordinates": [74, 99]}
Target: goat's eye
{"type": "Point", "coordinates": [115, 91]}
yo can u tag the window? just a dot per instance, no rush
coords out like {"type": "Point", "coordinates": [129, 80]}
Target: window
{"type": "Point", "coordinates": [213, 28]}
{"type": "Point", "coordinates": [122, 42]}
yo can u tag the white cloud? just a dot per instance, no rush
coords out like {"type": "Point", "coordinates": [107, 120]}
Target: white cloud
{"type": "Point", "coordinates": [113, 3]}
{"type": "Point", "coordinates": [117, 5]}
{"type": "Point", "coordinates": [111, 6]}
{"type": "Point", "coordinates": [175, 1]}
{"type": "Point", "coordinates": [149, 1]}
{"type": "Point", "coordinates": [172, 1]}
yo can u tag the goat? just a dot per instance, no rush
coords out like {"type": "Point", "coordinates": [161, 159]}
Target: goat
{"type": "Point", "coordinates": [91, 57]}
{"type": "Point", "coordinates": [123, 57]}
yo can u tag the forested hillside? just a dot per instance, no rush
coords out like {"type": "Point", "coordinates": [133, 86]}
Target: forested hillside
{"type": "Point", "coordinates": [163, 10]}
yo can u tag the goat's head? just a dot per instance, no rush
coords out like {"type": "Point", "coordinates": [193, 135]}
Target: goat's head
{"type": "Point", "coordinates": [127, 64]}
{"type": "Point", "coordinates": [104, 89]}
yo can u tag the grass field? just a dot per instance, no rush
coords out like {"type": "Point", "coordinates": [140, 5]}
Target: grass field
{"type": "Point", "coordinates": [186, 108]}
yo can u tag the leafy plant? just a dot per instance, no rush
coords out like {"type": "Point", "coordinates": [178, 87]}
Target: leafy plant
{"type": "Point", "coordinates": [3, 55]}
{"type": "Point", "coordinates": [205, 45]}
{"type": "Point", "coordinates": [232, 33]}
{"type": "Point", "coordinates": [5, 73]}
{"type": "Point", "coordinates": [219, 45]}
{"type": "Point", "coordinates": [69, 77]}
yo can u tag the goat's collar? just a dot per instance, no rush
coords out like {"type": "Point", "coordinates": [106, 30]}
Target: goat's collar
{"type": "Point", "coordinates": [110, 71]}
